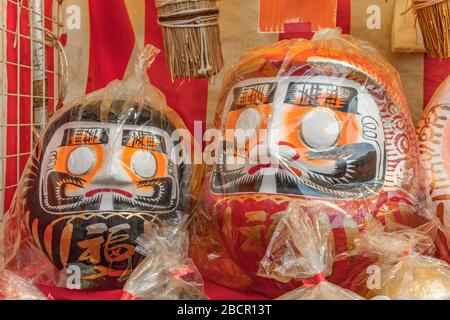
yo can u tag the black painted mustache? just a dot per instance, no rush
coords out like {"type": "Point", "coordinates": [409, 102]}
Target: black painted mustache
{"type": "Point", "coordinates": [57, 199]}
{"type": "Point", "coordinates": [159, 200]}
{"type": "Point", "coordinates": [353, 166]}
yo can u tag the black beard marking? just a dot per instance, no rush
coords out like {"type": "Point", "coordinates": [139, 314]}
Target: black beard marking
{"type": "Point", "coordinates": [288, 183]}
{"type": "Point", "coordinates": [160, 200]}
{"type": "Point", "coordinates": [354, 164]}
{"type": "Point", "coordinates": [232, 181]}
{"type": "Point", "coordinates": [56, 199]}
{"type": "Point", "coordinates": [354, 168]}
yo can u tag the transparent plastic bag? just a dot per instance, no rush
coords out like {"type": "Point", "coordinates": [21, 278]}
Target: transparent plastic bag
{"type": "Point", "coordinates": [13, 287]}
{"type": "Point", "coordinates": [434, 144]}
{"type": "Point", "coordinates": [109, 168]}
{"type": "Point", "coordinates": [401, 270]}
{"type": "Point", "coordinates": [167, 273]}
{"type": "Point", "coordinates": [302, 248]}
{"type": "Point", "coordinates": [300, 120]}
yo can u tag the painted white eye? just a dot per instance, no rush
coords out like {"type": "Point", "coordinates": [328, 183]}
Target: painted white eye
{"type": "Point", "coordinates": [319, 129]}
{"type": "Point", "coordinates": [81, 161]}
{"type": "Point", "coordinates": [248, 121]}
{"type": "Point", "coordinates": [143, 164]}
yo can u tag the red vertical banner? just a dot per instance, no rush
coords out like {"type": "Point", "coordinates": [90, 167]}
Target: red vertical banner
{"type": "Point", "coordinates": [343, 17]}
{"type": "Point", "coordinates": [187, 96]}
{"type": "Point", "coordinates": [435, 72]}
{"type": "Point", "coordinates": [25, 83]}
{"type": "Point", "coordinates": [111, 42]}
{"type": "Point", "coordinates": [50, 55]}
{"type": "Point", "coordinates": [12, 102]}
{"type": "Point", "coordinates": [18, 103]}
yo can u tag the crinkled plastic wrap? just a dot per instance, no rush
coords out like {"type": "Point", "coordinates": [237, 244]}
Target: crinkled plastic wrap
{"type": "Point", "coordinates": [167, 273]}
{"type": "Point", "coordinates": [109, 169]}
{"type": "Point", "coordinates": [401, 268]}
{"type": "Point", "coordinates": [13, 287]}
{"type": "Point", "coordinates": [302, 248]}
{"type": "Point", "coordinates": [433, 130]}
{"type": "Point", "coordinates": [324, 120]}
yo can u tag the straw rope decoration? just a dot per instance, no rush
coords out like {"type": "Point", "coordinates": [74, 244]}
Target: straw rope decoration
{"type": "Point", "coordinates": [191, 37]}
{"type": "Point", "coordinates": [434, 21]}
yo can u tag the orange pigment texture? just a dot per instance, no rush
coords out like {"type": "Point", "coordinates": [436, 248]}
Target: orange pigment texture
{"type": "Point", "coordinates": [275, 13]}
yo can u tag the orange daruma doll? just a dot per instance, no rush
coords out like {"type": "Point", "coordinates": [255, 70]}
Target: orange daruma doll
{"type": "Point", "coordinates": [323, 120]}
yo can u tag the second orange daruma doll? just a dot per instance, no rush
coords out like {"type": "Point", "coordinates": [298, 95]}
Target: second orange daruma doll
{"type": "Point", "coordinates": [323, 120]}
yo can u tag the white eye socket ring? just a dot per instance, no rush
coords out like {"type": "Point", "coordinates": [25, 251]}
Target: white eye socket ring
{"type": "Point", "coordinates": [143, 164]}
{"type": "Point", "coordinates": [249, 119]}
{"type": "Point", "coordinates": [320, 129]}
{"type": "Point", "coordinates": [81, 160]}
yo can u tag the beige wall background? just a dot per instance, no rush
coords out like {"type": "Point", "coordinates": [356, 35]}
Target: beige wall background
{"type": "Point", "coordinates": [408, 65]}
{"type": "Point", "coordinates": [77, 50]}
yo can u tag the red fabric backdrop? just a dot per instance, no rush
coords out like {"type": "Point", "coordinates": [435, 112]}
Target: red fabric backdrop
{"type": "Point", "coordinates": [112, 41]}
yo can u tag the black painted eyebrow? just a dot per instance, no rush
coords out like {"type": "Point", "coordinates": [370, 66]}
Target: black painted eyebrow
{"type": "Point", "coordinates": [262, 93]}
{"type": "Point", "coordinates": [143, 140]}
{"type": "Point", "coordinates": [337, 97]}
{"type": "Point", "coordinates": [85, 136]}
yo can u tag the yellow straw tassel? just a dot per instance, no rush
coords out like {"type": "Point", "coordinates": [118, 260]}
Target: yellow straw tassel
{"type": "Point", "coordinates": [434, 20]}
{"type": "Point", "coordinates": [191, 37]}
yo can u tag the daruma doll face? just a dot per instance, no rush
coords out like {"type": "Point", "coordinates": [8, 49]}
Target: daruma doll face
{"type": "Point", "coordinates": [314, 136]}
{"type": "Point", "coordinates": [107, 168]}
{"type": "Point", "coordinates": [95, 187]}
{"type": "Point", "coordinates": [309, 124]}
